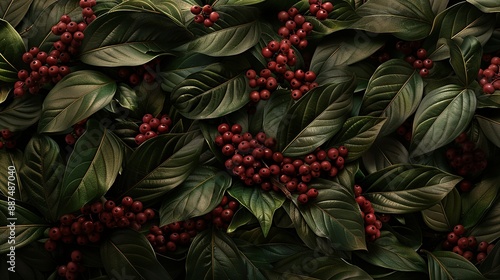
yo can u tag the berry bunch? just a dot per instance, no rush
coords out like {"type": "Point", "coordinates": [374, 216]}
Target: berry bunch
{"type": "Point", "coordinates": [254, 162]}
{"type": "Point", "coordinates": [87, 11]}
{"type": "Point", "coordinates": [489, 78]}
{"type": "Point", "coordinates": [296, 28]}
{"type": "Point", "coordinates": [71, 268]}
{"type": "Point", "coordinates": [372, 223]}
{"type": "Point", "coordinates": [320, 9]}
{"type": "Point", "coordinates": [222, 215]}
{"type": "Point", "coordinates": [381, 55]}
{"type": "Point", "coordinates": [78, 130]}
{"type": "Point", "coordinates": [133, 75]}
{"type": "Point", "coordinates": [465, 158]}
{"type": "Point", "coordinates": [152, 127]}
{"type": "Point", "coordinates": [416, 56]}
{"type": "Point", "coordinates": [205, 15]}
{"type": "Point", "coordinates": [466, 246]}
{"type": "Point", "coordinates": [7, 141]}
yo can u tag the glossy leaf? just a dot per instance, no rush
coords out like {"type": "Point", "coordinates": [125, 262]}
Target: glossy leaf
{"type": "Point", "coordinates": [211, 93]}
{"type": "Point", "coordinates": [13, 11]}
{"type": "Point", "coordinates": [394, 91]}
{"type": "Point", "coordinates": [25, 226]}
{"type": "Point", "coordinates": [466, 59]}
{"type": "Point", "coordinates": [199, 194]}
{"type": "Point", "coordinates": [168, 8]}
{"type": "Point", "coordinates": [488, 229]}
{"type": "Point", "coordinates": [128, 253]}
{"type": "Point", "coordinates": [238, 2]}
{"type": "Point", "coordinates": [315, 118]}
{"type": "Point", "coordinates": [357, 135]}
{"type": "Point", "coordinates": [339, 19]}
{"type": "Point", "coordinates": [490, 127]}
{"type": "Point", "coordinates": [43, 171]}
{"type": "Point", "coordinates": [388, 252]}
{"type": "Point", "coordinates": [433, 126]}
{"type": "Point", "coordinates": [438, 5]}
{"type": "Point", "coordinates": [449, 265]}
{"type": "Point", "coordinates": [11, 51]}
{"type": "Point", "coordinates": [486, 6]}
{"type": "Point", "coordinates": [236, 31]}
{"type": "Point", "coordinates": [92, 167]}
{"type": "Point", "coordinates": [274, 110]}
{"type": "Point", "coordinates": [444, 215]}
{"type": "Point", "coordinates": [476, 203]}
{"type": "Point", "coordinates": [213, 255]}
{"type": "Point", "coordinates": [180, 68]}
{"type": "Point", "coordinates": [490, 267]}
{"type": "Point", "coordinates": [383, 153]}
{"type": "Point", "coordinates": [407, 20]}
{"type": "Point", "coordinates": [262, 204]}
{"type": "Point", "coordinates": [76, 97]}
{"type": "Point", "coordinates": [14, 160]}
{"type": "Point", "coordinates": [21, 113]}
{"type": "Point", "coordinates": [400, 189]}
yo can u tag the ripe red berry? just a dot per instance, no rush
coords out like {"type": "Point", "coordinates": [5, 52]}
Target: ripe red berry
{"type": "Point", "coordinates": [459, 229]}
{"type": "Point", "coordinates": [321, 14]}
{"type": "Point", "coordinates": [312, 193]}
{"type": "Point", "coordinates": [303, 198]}
{"type": "Point", "coordinates": [214, 16]}
{"type": "Point", "coordinates": [136, 206]}
{"type": "Point", "coordinates": [195, 9]}
{"type": "Point", "coordinates": [422, 54]}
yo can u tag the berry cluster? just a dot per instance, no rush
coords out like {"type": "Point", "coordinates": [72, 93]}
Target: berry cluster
{"type": "Point", "coordinates": [71, 268]}
{"type": "Point", "coordinates": [133, 75]}
{"type": "Point", "coordinates": [416, 56]}
{"type": "Point", "coordinates": [254, 162]}
{"type": "Point", "coordinates": [7, 141]}
{"type": "Point", "coordinates": [465, 158]}
{"type": "Point", "coordinates": [78, 130]}
{"type": "Point", "coordinates": [319, 9]}
{"type": "Point", "coordinates": [466, 246]}
{"type": "Point", "coordinates": [489, 78]}
{"type": "Point", "coordinates": [372, 223]}
{"type": "Point", "coordinates": [87, 11]}
{"type": "Point", "coordinates": [205, 15]}
{"type": "Point", "coordinates": [296, 28]}
{"type": "Point", "coordinates": [94, 219]}
{"type": "Point", "coordinates": [152, 127]}
{"type": "Point", "coordinates": [222, 215]}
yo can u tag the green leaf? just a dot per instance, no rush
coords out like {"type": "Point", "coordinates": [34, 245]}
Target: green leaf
{"type": "Point", "coordinates": [213, 255]}
{"type": "Point", "coordinates": [18, 226]}
{"type": "Point", "coordinates": [43, 171]}
{"type": "Point", "coordinates": [92, 167]}
{"type": "Point", "coordinates": [12, 159]}
{"type": "Point", "coordinates": [211, 93]}
{"type": "Point", "coordinates": [237, 30]}
{"type": "Point", "coordinates": [14, 11]}
{"type": "Point", "coordinates": [161, 164]}
{"type": "Point", "coordinates": [126, 38]}
{"type": "Point", "coordinates": [466, 59]}
{"type": "Point", "coordinates": [21, 113]}
{"type": "Point", "coordinates": [339, 19]}
{"type": "Point", "coordinates": [90, 92]}
{"type": "Point", "coordinates": [490, 267]}
{"type": "Point", "coordinates": [168, 8]}
{"type": "Point", "coordinates": [438, 5]}
{"type": "Point", "coordinates": [4, 92]}
{"type": "Point", "coordinates": [386, 151]}
{"type": "Point", "coordinates": [448, 265]}
{"type": "Point", "coordinates": [334, 214]}
{"type": "Point", "coordinates": [180, 68]}
{"type": "Point", "coordinates": [486, 6]}
{"type": "Point", "coordinates": [128, 253]}
{"type": "Point", "coordinates": [394, 91]}
{"type": "Point", "coordinates": [478, 201]}
{"type": "Point", "coordinates": [388, 252]}
{"type": "Point", "coordinates": [407, 20]}
{"type": "Point", "coordinates": [262, 204]}
{"type": "Point", "coordinates": [488, 229]}
{"type": "Point", "coordinates": [490, 127]}
{"type": "Point", "coordinates": [238, 2]}
{"type": "Point", "coordinates": [400, 189]}
{"type": "Point", "coordinates": [489, 100]}
{"type": "Point", "coordinates": [444, 215]}
{"type": "Point", "coordinates": [274, 110]}
{"type": "Point", "coordinates": [434, 126]}
{"type": "Point", "coordinates": [201, 192]}
{"type": "Point", "coordinates": [357, 135]}
{"type": "Point", "coordinates": [11, 51]}
{"type": "Point", "coordinates": [315, 118]}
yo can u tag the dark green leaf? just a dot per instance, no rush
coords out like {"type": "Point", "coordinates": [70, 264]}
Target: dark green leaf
{"type": "Point", "coordinates": [11, 51]}
{"type": "Point", "coordinates": [400, 189]}
{"type": "Point", "coordinates": [444, 215]}
{"type": "Point", "coordinates": [238, 2]}
{"type": "Point", "coordinates": [14, 11]}
{"type": "Point", "coordinates": [466, 59]}
{"type": "Point", "coordinates": [128, 253]}
{"type": "Point", "coordinates": [394, 91]}
{"type": "Point", "coordinates": [168, 8]}
{"type": "Point", "coordinates": [92, 167]}
{"type": "Point", "coordinates": [408, 233]}
{"type": "Point", "coordinates": [383, 153]}
{"type": "Point", "coordinates": [315, 118]}
{"type": "Point", "coordinates": [4, 92]}
{"type": "Point", "coordinates": [339, 19]}
{"type": "Point", "coordinates": [448, 265]}
{"type": "Point", "coordinates": [180, 68]}
{"type": "Point", "coordinates": [261, 204]}
{"type": "Point", "coordinates": [240, 218]}
{"type": "Point", "coordinates": [274, 110]}
{"type": "Point", "coordinates": [407, 20]}
{"type": "Point", "coordinates": [201, 192]}
{"type": "Point", "coordinates": [490, 267]}
{"type": "Point", "coordinates": [489, 100]}
{"type": "Point", "coordinates": [478, 201]}
{"type": "Point", "coordinates": [127, 97]}
{"type": "Point", "coordinates": [18, 226]}
{"type": "Point", "coordinates": [213, 255]}
{"type": "Point", "coordinates": [486, 6]}
{"type": "Point", "coordinates": [211, 93]}
{"type": "Point", "coordinates": [43, 171]}
{"type": "Point", "coordinates": [90, 91]}
{"type": "Point", "coordinates": [438, 5]}
{"type": "Point", "coordinates": [434, 126]}
{"type": "Point", "coordinates": [490, 127]}
{"type": "Point", "coordinates": [11, 160]}
{"type": "Point", "coordinates": [388, 252]}
{"type": "Point", "coordinates": [488, 229]}
{"type": "Point", "coordinates": [262, 255]}
{"type": "Point", "coordinates": [357, 135]}
{"type": "Point", "coordinates": [21, 113]}
{"type": "Point", "coordinates": [338, 74]}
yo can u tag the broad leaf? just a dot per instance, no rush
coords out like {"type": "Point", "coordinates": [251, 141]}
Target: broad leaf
{"type": "Point", "coordinates": [315, 118]}
{"type": "Point", "coordinates": [477, 202]}
{"type": "Point", "coordinates": [486, 6]}
{"type": "Point", "coordinates": [490, 267]}
{"type": "Point", "coordinates": [13, 11]}
{"type": "Point", "coordinates": [43, 171]}
{"type": "Point", "coordinates": [438, 5]}
{"type": "Point", "coordinates": [357, 135]}
{"type": "Point", "coordinates": [11, 51]}
{"type": "Point", "coordinates": [11, 162]}
{"type": "Point", "coordinates": [388, 252]}
{"type": "Point", "coordinates": [18, 225]}
{"type": "Point", "coordinates": [383, 153]}
{"type": "Point", "coordinates": [274, 110]}
{"type": "Point", "coordinates": [400, 189]}
{"type": "Point", "coordinates": [339, 19]}
{"type": "Point", "coordinates": [448, 265]}
{"type": "Point", "coordinates": [168, 8]}
{"type": "Point", "coordinates": [21, 113]}
{"type": "Point", "coordinates": [407, 20]}
{"type": "Point", "coordinates": [394, 91]}
{"type": "Point", "coordinates": [92, 167]}
{"type": "Point", "coordinates": [180, 68]}
{"type": "Point", "coordinates": [466, 59]}
{"type": "Point", "coordinates": [211, 93]}
{"type": "Point", "coordinates": [201, 192]}
{"type": "Point", "coordinates": [128, 253]}
{"type": "Point", "coordinates": [488, 229]}
{"type": "Point", "coordinates": [238, 2]}
{"type": "Point", "coordinates": [444, 215]}
{"type": "Point", "coordinates": [213, 255]}
{"type": "Point", "coordinates": [76, 97]}
{"type": "Point", "coordinates": [262, 204]}
{"type": "Point", "coordinates": [490, 127]}
{"type": "Point", "coordinates": [434, 126]}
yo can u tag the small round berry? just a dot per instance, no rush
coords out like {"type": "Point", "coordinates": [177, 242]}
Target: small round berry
{"type": "Point", "coordinates": [195, 9]}
{"type": "Point", "coordinates": [321, 14]}
{"type": "Point", "coordinates": [312, 193]}
{"type": "Point", "coordinates": [214, 16]}
{"type": "Point", "coordinates": [459, 229]}
{"type": "Point", "coordinates": [303, 198]}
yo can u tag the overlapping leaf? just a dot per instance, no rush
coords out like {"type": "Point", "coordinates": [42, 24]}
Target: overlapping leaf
{"type": "Point", "coordinates": [444, 215]}
{"type": "Point", "coordinates": [339, 19]}
{"type": "Point", "coordinates": [488, 229]}
{"type": "Point", "coordinates": [274, 109]}
{"type": "Point", "coordinates": [11, 50]}
{"type": "Point", "coordinates": [11, 161]}
{"type": "Point", "coordinates": [449, 265]}
{"type": "Point", "coordinates": [383, 153]}
{"type": "Point", "coordinates": [168, 8]}
{"type": "Point", "coordinates": [21, 113]}
{"type": "Point", "coordinates": [466, 59]}
{"type": "Point", "coordinates": [14, 11]}
{"type": "Point", "coordinates": [490, 127]}
{"type": "Point", "coordinates": [486, 6]}
{"type": "Point", "coordinates": [478, 201]}
{"type": "Point", "coordinates": [180, 68]}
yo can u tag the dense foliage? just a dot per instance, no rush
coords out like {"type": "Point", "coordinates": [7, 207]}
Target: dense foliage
{"type": "Point", "coordinates": [249, 139]}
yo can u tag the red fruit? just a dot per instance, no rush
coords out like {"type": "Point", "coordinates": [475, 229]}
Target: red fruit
{"type": "Point", "coordinates": [303, 198]}
{"type": "Point", "coordinates": [312, 193]}
{"type": "Point", "coordinates": [459, 230]}
{"type": "Point", "coordinates": [196, 9]}
{"type": "Point", "coordinates": [452, 238]}
{"type": "Point", "coordinates": [214, 16]}
{"type": "Point", "coordinates": [480, 257]}
{"type": "Point", "coordinates": [322, 14]}
{"type": "Point", "coordinates": [463, 242]}
{"type": "Point", "coordinates": [422, 54]}
{"type": "Point", "coordinates": [328, 6]}
{"type": "Point", "coordinates": [371, 230]}
{"type": "Point", "coordinates": [76, 256]}
{"type": "Point", "coordinates": [50, 245]}
{"type": "Point", "coordinates": [207, 9]}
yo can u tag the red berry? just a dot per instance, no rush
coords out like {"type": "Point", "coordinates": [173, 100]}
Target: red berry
{"type": "Point", "coordinates": [196, 9]}
{"type": "Point", "coordinates": [303, 198]}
